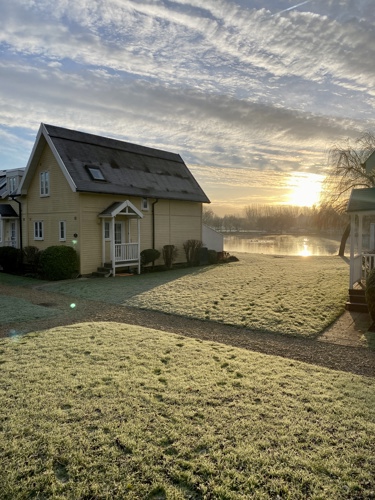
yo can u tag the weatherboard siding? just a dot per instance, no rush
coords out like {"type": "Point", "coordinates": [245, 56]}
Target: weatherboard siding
{"type": "Point", "coordinates": [61, 204]}
{"type": "Point", "coordinates": [175, 221]}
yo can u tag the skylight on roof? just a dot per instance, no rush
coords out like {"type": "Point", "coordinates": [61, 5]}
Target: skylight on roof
{"type": "Point", "coordinates": [96, 173]}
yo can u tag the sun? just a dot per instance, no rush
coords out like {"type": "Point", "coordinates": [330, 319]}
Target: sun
{"type": "Point", "coordinates": [304, 189]}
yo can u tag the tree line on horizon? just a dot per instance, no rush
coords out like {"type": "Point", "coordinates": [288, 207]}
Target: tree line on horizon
{"type": "Point", "coordinates": [278, 218]}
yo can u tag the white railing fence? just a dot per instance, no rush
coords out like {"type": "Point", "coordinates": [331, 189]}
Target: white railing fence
{"type": "Point", "coordinates": [126, 252]}
{"type": "Point", "coordinates": [368, 263]}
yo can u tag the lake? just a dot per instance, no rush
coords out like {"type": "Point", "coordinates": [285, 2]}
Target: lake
{"type": "Point", "coordinates": [282, 244]}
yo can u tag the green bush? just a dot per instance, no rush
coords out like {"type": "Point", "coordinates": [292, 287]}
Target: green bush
{"type": "Point", "coordinates": [10, 259]}
{"type": "Point", "coordinates": [31, 259]}
{"type": "Point", "coordinates": [191, 248]}
{"type": "Point", "coordinates": [212, 257]}
{"type": "Point", "coordinates": [149, 255]}
{"type": "Point", "coordinates": [59, 263]}
{"type": "Point", "coordinates": [169, 255]}
{"type": "Point", "coordinates": [370, 293]}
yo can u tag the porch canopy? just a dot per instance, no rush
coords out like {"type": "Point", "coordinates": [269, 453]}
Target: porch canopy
{"type": "Point", "coordinates": [7, 211]}
{"type": "Point", "coordinates": [361, 208]}
{"type": "Point", "coordinates": [123, 250]}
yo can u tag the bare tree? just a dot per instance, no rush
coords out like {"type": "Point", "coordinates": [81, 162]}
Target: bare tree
{"type": "Point", "coordinates": [347, 170]}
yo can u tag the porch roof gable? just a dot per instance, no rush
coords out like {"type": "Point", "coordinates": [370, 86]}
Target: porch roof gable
{"type": "Point", "coordinates": [7, 211]}
{"type": "Point", "coordinates": [121, 207]}
{"type": "Point", "coordinates": [362, 200]}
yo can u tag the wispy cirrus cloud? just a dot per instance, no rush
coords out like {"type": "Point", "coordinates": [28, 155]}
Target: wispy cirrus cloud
{"type": "Point", "coordinates": [231, 84]}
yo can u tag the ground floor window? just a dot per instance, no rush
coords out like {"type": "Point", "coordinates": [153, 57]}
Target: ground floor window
{"type": "Point", "coordinates": [107, 231]}
{"type": "Point", "coordinates": [38, 230]}
{"type": "Point", "coordinates": [62, 230]}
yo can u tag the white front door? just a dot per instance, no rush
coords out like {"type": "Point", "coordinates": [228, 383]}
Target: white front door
{"type": "Point", "coordinates": [119, 233]}
{"type": "Point", "coordinates": [119, 240]}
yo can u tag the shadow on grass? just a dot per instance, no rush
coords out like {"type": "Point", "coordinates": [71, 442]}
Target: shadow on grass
{"type": "Point", "coordinates": [121, 288]}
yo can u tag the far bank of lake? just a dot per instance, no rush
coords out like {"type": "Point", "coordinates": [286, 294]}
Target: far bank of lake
{"type": "Point", "coordinates": [282, 244]}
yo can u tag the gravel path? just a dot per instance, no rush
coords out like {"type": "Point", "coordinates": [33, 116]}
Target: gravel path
{"type": "Point", "coordinates": [328, 352]}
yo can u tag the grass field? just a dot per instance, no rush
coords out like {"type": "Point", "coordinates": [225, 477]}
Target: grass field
{"type": "Point", "coordinates": [289, 295]}
{"type": "Point", "coordinates": [110, 411]}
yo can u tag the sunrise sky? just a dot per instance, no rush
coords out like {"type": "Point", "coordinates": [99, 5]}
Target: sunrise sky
{"type": "Point", "coordinates": [251, 93]}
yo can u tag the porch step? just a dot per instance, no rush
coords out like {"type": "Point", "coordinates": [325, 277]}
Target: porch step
{"type": "Point", "coordinates": [357, 300]}
{"type": "Point", "coordinates": [102, 272]}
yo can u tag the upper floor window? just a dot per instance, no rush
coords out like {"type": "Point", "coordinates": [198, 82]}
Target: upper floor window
{"type": "Point", "coordinates": [145, 204]}
{"type": "Point", "coordinates": [12, 184]}
{"type": "Point", "coordinates": [44, 184]}
{"type": "Point", "coordinates": [38, 230]}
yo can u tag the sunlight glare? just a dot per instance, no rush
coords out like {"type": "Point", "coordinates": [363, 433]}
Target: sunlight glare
{"type": "Point", "coordinates": [305, 189]}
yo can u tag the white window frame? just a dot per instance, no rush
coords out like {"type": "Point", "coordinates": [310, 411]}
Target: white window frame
{"type": "Point", "coordinates": [96, 173]}
{"type": "Point", "coordinates": [107, 231]}
{"type": "Point", "coordinates": [44, 183]}
{"type": "Point", "coordinates": [145, 204]}
{"type": "Point", "coordinates": [12, 184]}
{"type": "Point", "coordinates": [62, 230]}
{"type": "Point", "coordinates": [38, 230]}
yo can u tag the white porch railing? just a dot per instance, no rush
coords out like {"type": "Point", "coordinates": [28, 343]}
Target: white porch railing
{"type": "Point", "coordinates": [368, 263]}
{"type": "Point", "coordinates": [126, 252]}
{"type": "Point", "coordinates": [361, 267]}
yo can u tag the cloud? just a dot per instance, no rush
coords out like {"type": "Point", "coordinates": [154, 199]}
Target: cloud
{"type": "Point", "coordinates": [255, 84]}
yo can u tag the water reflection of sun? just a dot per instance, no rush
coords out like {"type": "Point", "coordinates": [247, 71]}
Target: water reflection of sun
{"type": "Point", "coordinates": [304, 188]}
{"type": "Point", "coordinates": [305, 252]}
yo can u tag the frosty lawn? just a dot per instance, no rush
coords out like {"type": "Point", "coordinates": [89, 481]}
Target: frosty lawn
{"type": "Point", "coordinates": [115, 411]}
{"type": "Point", "coordinates": [289, 295]}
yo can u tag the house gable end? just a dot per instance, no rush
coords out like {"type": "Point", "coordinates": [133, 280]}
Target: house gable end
{"type": "Point", "coordinates": [41, 141]}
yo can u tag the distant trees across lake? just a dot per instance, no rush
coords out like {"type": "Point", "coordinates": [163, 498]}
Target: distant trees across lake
{"type": "Point", "coordinates": [278, 218]}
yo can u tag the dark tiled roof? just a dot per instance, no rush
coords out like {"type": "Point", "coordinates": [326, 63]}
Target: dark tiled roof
{"type": "Point", "coordinates": [128, 169]}
{"type": "Point", "coordinates": [7, 210]}
{"type": "Point", "coordinates": [361, 200]}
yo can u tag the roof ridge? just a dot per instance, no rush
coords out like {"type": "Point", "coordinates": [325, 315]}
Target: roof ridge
{"type": "Point", "coordinates": [116, 143]}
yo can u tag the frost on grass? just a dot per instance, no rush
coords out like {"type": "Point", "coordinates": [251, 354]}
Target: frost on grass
{"type": "Point", "coordinates": [290, 295]}
{"type": "Point", "coordinates": [14, 309]}
{"type": "Point", "coordinates": [103, 410]}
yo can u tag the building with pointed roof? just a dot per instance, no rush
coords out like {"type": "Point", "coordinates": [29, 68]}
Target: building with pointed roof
{"type": "Point", "coordinates": [109, 199]}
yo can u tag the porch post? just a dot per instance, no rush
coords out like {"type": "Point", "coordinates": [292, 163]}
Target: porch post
{"type": "Point", "coordinates": [352, 242]}
{"type": "Point", "coordinates": [113, 251]}
{"type": "Point", "coordinates": [139, 244]}
{"type": "Point", "coordinates": [103, 242]}
{"type": "Point", "coordinates": [360, 225]}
